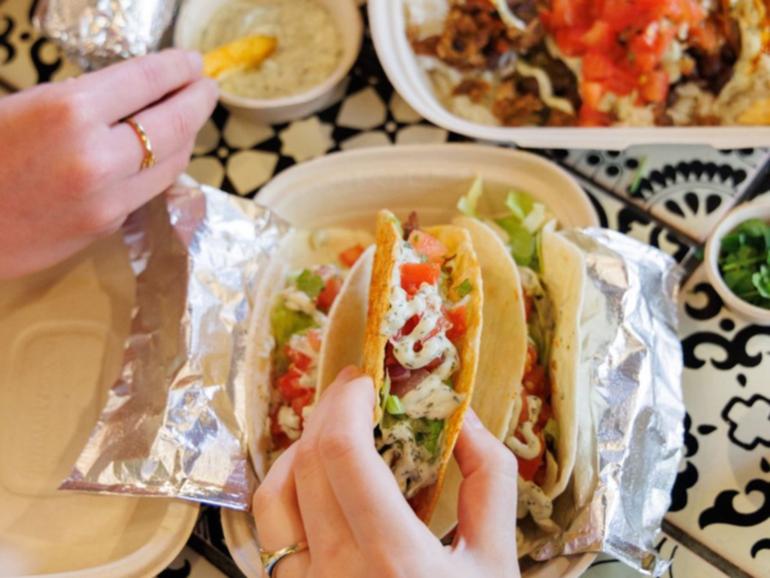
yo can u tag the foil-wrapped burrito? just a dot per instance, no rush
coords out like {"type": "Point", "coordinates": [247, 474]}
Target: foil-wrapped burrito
{"type": "Point", "coordinates": [95, 33]}
{"type": "Point", "coordinates": [174, 421]}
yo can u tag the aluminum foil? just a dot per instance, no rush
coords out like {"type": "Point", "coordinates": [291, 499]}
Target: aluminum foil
{"type": "Point", "coordinates": [632, 360]}
{"type": "Point", "coordinates": [95, 33]}
{"type": "Point", "coordinates": [174, 421]}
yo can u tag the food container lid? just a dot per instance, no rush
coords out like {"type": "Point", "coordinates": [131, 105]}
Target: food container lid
{"type": "Point", "coordinates": [61, 345]}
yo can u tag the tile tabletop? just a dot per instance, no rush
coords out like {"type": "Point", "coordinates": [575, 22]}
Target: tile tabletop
{"type": "Point", "coordinates": [670, 197]}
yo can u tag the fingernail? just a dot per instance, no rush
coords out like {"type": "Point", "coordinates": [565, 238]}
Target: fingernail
{"type": "Point", "coordinates": [473, 420]}
{"type": "Point", "coordinates": [195, 59]}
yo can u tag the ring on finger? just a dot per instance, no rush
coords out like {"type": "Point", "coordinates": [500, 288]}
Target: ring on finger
{"type": "Point", "coordinates": [270, 559]}
{"type": "Point", "coordinates": [149, 160]}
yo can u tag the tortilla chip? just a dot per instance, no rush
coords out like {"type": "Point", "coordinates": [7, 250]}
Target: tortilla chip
{"type": "Point", "coordinates": [458, 242]}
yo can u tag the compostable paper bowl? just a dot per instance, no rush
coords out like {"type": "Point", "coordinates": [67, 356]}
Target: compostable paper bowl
{"type": "Point", "coordinates": [61, 345]}
{"type": "Point", "coordinates": [347, 189]}
{"type": "Point", "coordinates": [388, 23]}
{"type": "Point", "coordinates": [192, 20]}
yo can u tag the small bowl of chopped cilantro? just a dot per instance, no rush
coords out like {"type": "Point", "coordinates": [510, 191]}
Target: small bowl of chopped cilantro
{"type": "Point", "coordinates": [738, 260]}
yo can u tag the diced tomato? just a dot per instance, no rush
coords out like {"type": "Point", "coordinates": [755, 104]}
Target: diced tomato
{"type": "Point", "coordinates": [328, 294]}
{"type": "Point", "coordinates": [592, 92]}
{"type": "Point", "coordinates": [415, 274]}
{"type": "Point", "coordinates": [532, 357]}
{"type": "Point", "coordinates": [655, 87]}
{"type": "Point", "coordinates": [528, 468]}
{"type": "Point", "coordinates": [280, 441]}
{"type": "Point", "coordinates": [590, 117]}
{"type": "Point", "coordinates": [349, 256]}
{"type": "Point", "coordinates": [528, 304]}
{"type": "Point", "coordinates": [298, 359]}
{"type": "Point", "coordinates": [458, 317]}
{"type": "Point", "coordinates": [303, 400]}
{"type": "Point", "coordinates": [535, 381]}
{"type": "Point", "coordinates": [545, 415]}
{"type": "Point", "coordinates": [599, 36]}
{"type": "Point", "coordinates": [314, 339]}
{"type": "Point", "coordinates": [524, 409]}
{"type": "Point", "coordinates": [409, 326]}
{"type": "Point", "coordinates": [428, 246]}
{"type": "Point", "coordinates": [288, 384]}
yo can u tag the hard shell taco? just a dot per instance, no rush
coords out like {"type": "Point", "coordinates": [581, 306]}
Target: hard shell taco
{"type": "Point", "coordinates": [421, 349]}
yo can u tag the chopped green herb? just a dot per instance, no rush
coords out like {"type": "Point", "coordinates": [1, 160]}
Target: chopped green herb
{"type": "Point", "coordinates": [427, 433]}
{"type": "Point", "coordinates": [744, 262]}
{"type": "Point", "coordinates": [464, 288]}
{"type": "Point", "coordinates": [394, 406]}
{"type": "Point", "coordinates": [467, 204]}
{"type": "Point", "coordinates": [311, 284]}
{"type": "Point", "coordinates": [286, 322]}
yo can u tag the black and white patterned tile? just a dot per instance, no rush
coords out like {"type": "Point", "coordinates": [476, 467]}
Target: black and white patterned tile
{"type": "Point", "coordinates": [688, 188]}
{"type": "Point", "coordinates": [722, 495]}
{"type": "Point", "coordinates": [27, 59]}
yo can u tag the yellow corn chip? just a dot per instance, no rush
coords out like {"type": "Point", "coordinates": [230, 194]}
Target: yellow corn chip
{"type": "Point", "coordinates": [248, 52]}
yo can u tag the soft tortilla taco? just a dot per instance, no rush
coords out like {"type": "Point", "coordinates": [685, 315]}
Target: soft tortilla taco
{"type": "Point", "coordinates": [421, 349]}
{"type": "Point", "coordinates": [293, 306]}
{"type": "Point", "coordinates": [533, 401]}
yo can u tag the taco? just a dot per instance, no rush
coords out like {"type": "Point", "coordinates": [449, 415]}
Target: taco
{"type": "Point", "coordinates": [534, 279]}
{"type": "Point", "coordinates": [295, 300]}
{"type": "Point", "coordinates": [421, 349]}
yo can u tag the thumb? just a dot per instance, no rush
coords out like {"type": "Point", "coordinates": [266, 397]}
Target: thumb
{"type": "Point", "coordinates": [487, 504]}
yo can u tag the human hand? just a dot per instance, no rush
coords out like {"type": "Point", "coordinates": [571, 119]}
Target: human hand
{"type": "Point", "coordinates": [333, 490]}
{"type": "Point", "coordinates": [70, 169]}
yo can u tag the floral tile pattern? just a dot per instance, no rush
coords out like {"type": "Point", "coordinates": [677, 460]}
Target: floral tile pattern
{"type": "Point", "coordinates": [670, 197]}
{"type": "Point", "coordinates": [688, 188]}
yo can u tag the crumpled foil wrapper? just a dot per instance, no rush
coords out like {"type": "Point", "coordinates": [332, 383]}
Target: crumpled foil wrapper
{"type": "Point", "coordinates": [632, 358]}
{"type": "Point", "coordinates": [95, 33]}
{"type": "Point", "coordinates": [174, 421]}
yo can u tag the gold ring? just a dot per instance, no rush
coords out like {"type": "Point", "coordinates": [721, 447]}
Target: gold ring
{"type": "Point", "coordinates": [149, 155]}
{"type": "Point", "coordinates": [270, 559]}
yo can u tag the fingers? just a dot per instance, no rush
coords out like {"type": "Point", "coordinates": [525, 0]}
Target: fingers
{"type": "Point", "coordinates": [325, 524]}
{"type": "Point", "coordinates": [277, 515]}
{"type": "Point", "coordinates": [364, 486]}
{"type": "Point", "coordinates": [134, 192]}
{"type": "Point", "coordinates": [128, 87]}
{"type": "Point", "coordinates": [487, 503]}
{"type": "Point", "coordinates": [171, 125]}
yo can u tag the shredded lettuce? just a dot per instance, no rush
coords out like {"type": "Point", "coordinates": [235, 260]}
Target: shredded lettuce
{"type": "Point", "coordinates": [464, 288]}
{"type": "Point", "coordinates": [311, 284]}
{"type": "Point", "coordinates": [467, 204]}
{"type": "Point", "coordinates": [394, 406]}
{"type": "Point", "coordinates": [428, 433]}
{"type": "Point", "coordinates": [286, 322]}
{"type": "Point", "coordinates": [520, 241]}
{"type": "Point", "coordinates": [520, 204]}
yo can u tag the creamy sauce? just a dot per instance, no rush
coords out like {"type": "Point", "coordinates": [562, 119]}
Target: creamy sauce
{"type": "Point", "coordinates": [530, 448]}
{"type": "Point", "coordinates": [533, 501]}
{"type": "Point", "coordinates": [412, 464]}
{"type": "Point", "coordinates": [309, 46]}
{"type": "Point", "coordinates": [432, 399]}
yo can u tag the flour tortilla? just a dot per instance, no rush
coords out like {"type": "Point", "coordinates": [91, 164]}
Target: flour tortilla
{"type": "Point", "coordinates": [299, 249]}
{"type": "Point", "coordinates": [458, 242]}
